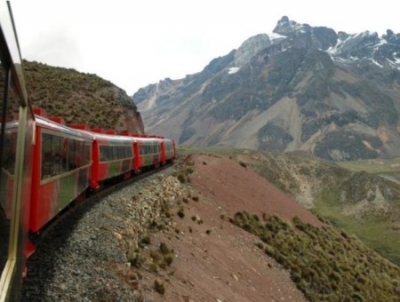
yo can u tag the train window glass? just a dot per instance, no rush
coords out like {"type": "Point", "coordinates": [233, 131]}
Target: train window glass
{"type": "Point", "coordinates": [114, 150]}
{"type": "Point", "coordinates": [4, 155]}
{"type": "Point", "coordinates": [110, 150]}
{"type": "Point", "coordinates": [72, 154]}
{"type": "Point", "coordinates": [87, 153]}
{"type": "Point", "coordinates": [52, 155]}
{"type": "Point", "coordinates": [8, 141]}
{"type": "Point", "coordinates": [9, 150]}
{"type": "Point", "coordinates": [79, 154]}
{"type": "Point", "coordinates": [108, 153]}
{"type": "Point", "coordinates": [103, 153]}
{"type": "Point", "coordinates": [117, 152]}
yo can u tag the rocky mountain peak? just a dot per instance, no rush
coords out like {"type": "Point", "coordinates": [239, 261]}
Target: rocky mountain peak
{"type": "Point", "coordinates": [287, 27]}
{"type": "Point", "coordinates": [304, 35]}
{"type": "Point", "coordinates": [249, 48]}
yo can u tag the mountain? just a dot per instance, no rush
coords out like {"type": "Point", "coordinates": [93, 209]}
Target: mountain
{"type": "Point", "coordinates": [332, 94]}
{"type": "Point", "coordinates": [81, 98]}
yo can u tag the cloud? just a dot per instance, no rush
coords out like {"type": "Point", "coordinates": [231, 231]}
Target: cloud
{"type": "Point", "coordinates": [57, 47]}
{"type": "Point", "coordinates": [136, 43]}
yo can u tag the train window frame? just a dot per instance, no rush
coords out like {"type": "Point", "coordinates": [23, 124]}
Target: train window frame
{"type": "Point", "coordinates": [117, 150]}
{"type": "Point", "coordinates": [68, 137]}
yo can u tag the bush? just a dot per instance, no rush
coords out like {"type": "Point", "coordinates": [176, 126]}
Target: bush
{"type": "Point", "coordinates": [159, 287]}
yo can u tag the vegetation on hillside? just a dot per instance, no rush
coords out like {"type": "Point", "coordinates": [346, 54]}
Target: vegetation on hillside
{"type": "Point", "coordinates": [325, 263]}
{"type": "Point", "coordinates": [361, 203]}
{"type": "Point", "coordinates": [76, 96]}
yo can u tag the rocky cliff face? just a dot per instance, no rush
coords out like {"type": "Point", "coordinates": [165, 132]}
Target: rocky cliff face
{"type": "Point", "coordinates": [81, 98]}
{"type": "Point", "coordinates": [335, 95]}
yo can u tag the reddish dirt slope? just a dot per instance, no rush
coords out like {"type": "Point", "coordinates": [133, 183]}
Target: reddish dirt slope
{"type": "Point", "coordinates": [215, 260]}
{"type": "Point", "coordinates": [240, 189]}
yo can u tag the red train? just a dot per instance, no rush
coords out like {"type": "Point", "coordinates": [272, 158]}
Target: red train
{"type": "Point", "coordinates": [45, 164]}
{"type": "Point", "coordinates": [70, 161]}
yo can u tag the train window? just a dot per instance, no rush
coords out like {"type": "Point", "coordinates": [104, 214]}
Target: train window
{"type": "Point", "coordinates": [4, 178]}
{"type": "Point", "coordinates": [104, 153]}
{"type": "Point", "coordinates": [60, 155]}
{"type": "Point", "coordinates": [79, 154]}
{"type": "Point", "coordinates": [87, 152]}
{"type": "Point", "coordinates": [53, 158]}
{"type": "Point", "coordinates": [72, 153]}
{"type": "Point", "coordinates": [9, 150]}
{"type": "Point", "coordinates": [108, 153]}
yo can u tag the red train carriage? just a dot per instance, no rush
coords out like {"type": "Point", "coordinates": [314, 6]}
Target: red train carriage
{"type": "Point", "coordinates": [168, 152]}
{"type": "Point", "coordinates": [112, 156]}
{"type": "Point", "coordinates": [61, 169]}
{"type": "Point", "coordinates": [148, 151]}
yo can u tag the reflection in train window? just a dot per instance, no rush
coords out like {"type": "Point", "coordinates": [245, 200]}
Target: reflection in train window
{"type": "Point", "coordinates": [60, 154]}
{"type": "Point", "coordinates": [112, 152]}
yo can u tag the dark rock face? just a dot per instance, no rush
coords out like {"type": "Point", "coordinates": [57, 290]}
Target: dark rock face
{"type": "Point", "coordinates": [307, 88]}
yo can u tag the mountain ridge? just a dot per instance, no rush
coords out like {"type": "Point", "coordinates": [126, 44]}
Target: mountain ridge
{"type": "Point", "coordinates": [335, 86]}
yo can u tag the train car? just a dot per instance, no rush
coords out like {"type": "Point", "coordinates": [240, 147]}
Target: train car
{"type": "Point", "coordinates": [112, 156]}
{"type": "Point", "coordinates": [61, 169]}
{"type": "Point", "coordinates": [168, 151]}
{"type": "Point", "coordinates": [148, 151]}
{"type": "Point", "coordinates": [16, 140]}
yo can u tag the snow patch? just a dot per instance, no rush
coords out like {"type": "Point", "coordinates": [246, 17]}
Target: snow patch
{"type": "Point", "coordinates": [275, 36]}
{"type": "Point", "coordinates": [336, 49]}
{"type": "Point", "coordinates": [376, 63]}
{"type": "Point", "coordinates": [233, 70]}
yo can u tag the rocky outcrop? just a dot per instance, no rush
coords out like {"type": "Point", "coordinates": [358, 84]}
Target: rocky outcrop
{"type": "Point", "coordinates": [81, 98]}
{"type": "Point", "coordinates": [249, 48]}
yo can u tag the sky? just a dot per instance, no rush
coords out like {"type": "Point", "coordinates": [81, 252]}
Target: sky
{"type": "Point", "coordinates": [134, 43]}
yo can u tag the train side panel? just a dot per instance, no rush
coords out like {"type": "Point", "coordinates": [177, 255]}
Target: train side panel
{"type": "Point", "coordinates": [169, 149]}
{"type": "Point", "coordinates": [113, 156]}
{"type": "Point", "coordinates": [149, 152]}
{"type": "Point", "coordinates": [61, 171]}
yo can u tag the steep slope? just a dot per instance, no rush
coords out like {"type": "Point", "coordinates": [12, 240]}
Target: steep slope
{"type": "Point", "coordinates": [211, 230]}
{"type": "Point", "coordinates": [81, 98]}
{"type": "Point", "coordinates": [307, 88]}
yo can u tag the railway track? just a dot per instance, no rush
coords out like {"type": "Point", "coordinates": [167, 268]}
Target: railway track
{"type": "Point", "coordinates": [57, 239]}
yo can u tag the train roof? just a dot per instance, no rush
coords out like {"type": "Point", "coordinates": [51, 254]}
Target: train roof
{"type": "Point", "coordinates": [109, 137]}
{"type": "Point", "coordinates": [148, 139]}
{"type": "Point", "coordinates": [48, 124]}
